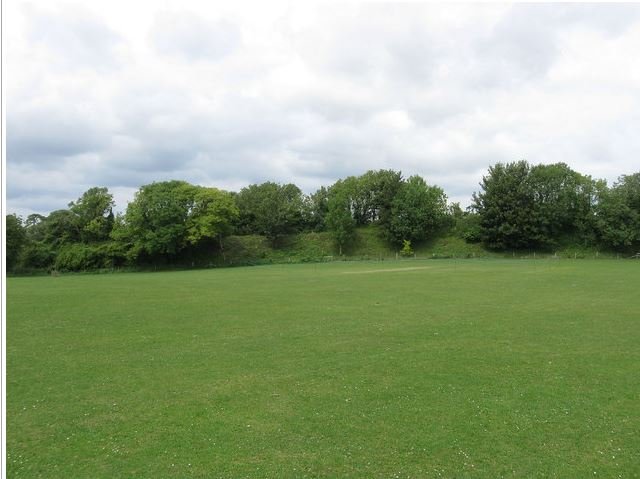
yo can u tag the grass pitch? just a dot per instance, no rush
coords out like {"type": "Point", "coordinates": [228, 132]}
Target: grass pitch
{"type": "Point", "coordinates": [419, 369]}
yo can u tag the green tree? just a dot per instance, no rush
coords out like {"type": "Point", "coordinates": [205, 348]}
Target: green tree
{"type": "Point", "coordinates": [94, 214]}
{"type": "Point", "coordinates": [317, 206]}
{"type": "Point", "coordinates": [166, 217]}
{"type": "Point", "coordinates": [61, 227]}
{"type": "Point", "coordinates": [523, 206]}
{"type": "Point", "coordinates": [270, 209]}
{"type": "Point", "coordinates": [156, 220]}
{"type": "Point", "coordinates": [38, 253]}
{"type": "Point", "coordinates": [15, 239]}
{"type": "Point", "coordinates": [618, 214]}
{"type": "Point", "coordinates": [212, 215]}
{"type": "Point", "coordinates": [506, 206]}
{"type": "Point", "coordinates": [377, 190]}
{"type": "Point", "coordinates": [339, 219]}
{"type": "Point", "coordinates": [371, 195]}
{"type": "Point", "coordinates": [418, 211]}
{"type": "Point", "coordinates": [561, 203]}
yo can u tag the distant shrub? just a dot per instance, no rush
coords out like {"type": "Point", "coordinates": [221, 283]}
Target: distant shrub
{"type": "Point", "coordinates": [406, 250]}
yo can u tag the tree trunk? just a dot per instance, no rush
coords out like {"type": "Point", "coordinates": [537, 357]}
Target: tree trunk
{"type": "Point", "coordinates": [224, 256]}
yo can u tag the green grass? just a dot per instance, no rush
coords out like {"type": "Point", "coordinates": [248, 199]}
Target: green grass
{"type": "Point", "coordinates": [466, 368]}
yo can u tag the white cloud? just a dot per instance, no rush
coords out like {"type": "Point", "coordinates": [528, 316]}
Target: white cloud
{"type": "Point", "coordinates": [121, 94]}
{"type": "Point", "coordinates": [188, 36]}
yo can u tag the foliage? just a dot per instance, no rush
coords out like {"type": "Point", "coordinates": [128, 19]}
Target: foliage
{"type": "Point", "coordinates": [339, 220]}
{"type": "Point", "coordinates": [37, 255]}
{"type": "Point", "coordinates": [165, 217]}
{"type": "Point", "coordinates": [61, 227]}
{"type": "Point", "coordinates": [378, 190]}
{"type": "Point", "coordinates": [521, 206]}
{"type": "Point", "coordinates": [82, 257]}
{"type": "Point", "coordinates": [562, 202]}
{"type": "Point", "coordinates": [212, 213]}
{"type": "Point", "coordinates": [316, 209]}
{"type": "Point", "coordinates": [547, 208]}
{"type": "Point", "coordinates": [370, 196]}
{"type": "Point", "coordinates": [407, 250]}
{"type": "Point", "coordinates": [94, 214]}
{"type": "Point", "coordinates": [15, 239]}
{"type": "Point", "coordinates": [417, 211]}
{"type": "Point", "coordinates": [270, 209]}
{"type": "Point", "coordinates": [468, 227]}
{"type": "Point", "coordinates": [618, 214]}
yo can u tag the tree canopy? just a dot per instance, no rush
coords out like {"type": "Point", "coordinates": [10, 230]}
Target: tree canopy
{"type": "Point", "coordinates": [524, 206]}
{"type": "Point", "coordinates": [270, 209]}
{"type": "Point", "coordinates": [517, 206]}
{"type": "Point", "coordinates": [165, 217]}
{"type": "Point", "coordinates": [417, 211]}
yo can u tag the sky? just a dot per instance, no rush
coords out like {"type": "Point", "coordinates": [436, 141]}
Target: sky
{"type": "Point", "coordinates": [226, 94]}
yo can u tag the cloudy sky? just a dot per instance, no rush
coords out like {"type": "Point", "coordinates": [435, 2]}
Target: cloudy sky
{"type": "Point", "coordinates": [123, 93]}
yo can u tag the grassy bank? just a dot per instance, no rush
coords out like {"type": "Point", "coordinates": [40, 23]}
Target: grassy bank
{"type": "Point", "coordinates": [369, 245]}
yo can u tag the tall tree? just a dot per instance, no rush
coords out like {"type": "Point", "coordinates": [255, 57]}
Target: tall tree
{"type": "Point", "coordinates": [211, 216]}
{"type": "Point", "coordinates": [316, 210]}
{"type": "Point", "coordinates": [156, 218]}
{"type": "Point", "coordinates": [94, 213]}
{"type": "Point", "coordinates": [506, 206]}
{"type": "Point", "coordinates": [61, 227]}
{"type": "Point", "coordinates": [15, 239]}
{"type": "Point", "coordinates": [378, 189]}
{"type": "Point", "coordinates": [417, 211]}
{"type": "Point", "coordinates": [523, 206]}
{"type": "Point", "coordinates": [166, 217]}
{"type": "Point", "coordinates": [339, 219]}
{"type": "Point", "coordinates": [562, 203]}
{"type": "Point", "coordinates": [370, 195]}
{"type": "Point", "coordinates": [270, 209]}
{"type": "Point", "coordinates": [618, 214]}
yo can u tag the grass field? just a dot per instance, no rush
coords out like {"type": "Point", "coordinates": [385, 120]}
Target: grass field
{"type": "Point", "coordinates": [474, 368]}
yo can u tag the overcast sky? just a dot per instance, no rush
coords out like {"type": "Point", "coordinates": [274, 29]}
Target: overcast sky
{"type": "Point", "coordinates": [124, 93]}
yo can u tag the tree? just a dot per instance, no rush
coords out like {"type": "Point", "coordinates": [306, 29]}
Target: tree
{"type": "Point", "coordinates": [522, 206]}
{"type": "Point", "coordinates": [15, 239]}
{"type": "Point", "coordinates": [378, 190]}
{"type": "Point", "coordinates": [156, 218]}
{"type": "Point", "coordinates": [618, 214]}
{"type": "Point", "coordinates": [317, 206]}
{"type": "Point", "coordinates": [505, 206]}
{"type": "Point", "coordinates": [417, 211]}
{"type": "Point", "coordinates": [61, 227]}
{"type": "Point", "coordinates": [94, 214]}
{"type": "Point", "coordinates": [41, 242]}
{"type": "Point", "coordinates": [270, 209]}
{"type": "Point", "coordinates": [212, 214]}
{"type": "Point", "coordinates": [166, 217]}
{"type": "Point", "coordinates": [339, 219]}
{"type": "Point", "coordinates": [560, 205]}
{"type": "Point", "coordinates": [371, 195]}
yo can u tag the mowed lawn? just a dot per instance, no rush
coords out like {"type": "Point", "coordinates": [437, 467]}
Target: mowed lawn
{"type": "Point", "coordinates": [474, 368]}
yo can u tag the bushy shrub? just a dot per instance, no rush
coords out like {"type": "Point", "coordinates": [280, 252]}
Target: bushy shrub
{"type": "Point", "coordinates": [81, 257]}
{"type": "Point", "coordinates": [406, 250]}
{"type": "Point", "coordinates": [36, 256]}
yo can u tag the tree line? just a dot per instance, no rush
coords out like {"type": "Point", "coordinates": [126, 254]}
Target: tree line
{"type": "Point", "coordinates": [518, 206]}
